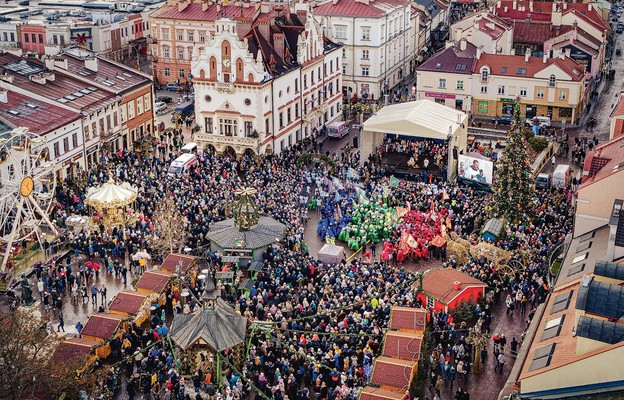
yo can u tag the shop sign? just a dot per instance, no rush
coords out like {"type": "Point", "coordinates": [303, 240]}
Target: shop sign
{"type": "Point", "coordinates": [93, 149]}
{"type": "Point", "coordinates": [482, 106]}
{"type": "Point", "coordinates": [581, 57]}
{"type": "Point", "coordinates": [436, 95]}
{"type": "Point", "coordinates": [230, 259]}
{"type": "Point", "coordinates": [506, 100]}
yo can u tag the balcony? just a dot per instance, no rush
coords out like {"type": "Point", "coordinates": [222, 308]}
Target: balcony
{"type": "Point", "coordinates": [225, 87]}
{"type": "Point", "coordinates": [207, 138]}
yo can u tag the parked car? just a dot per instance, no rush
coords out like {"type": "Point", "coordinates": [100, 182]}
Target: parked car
{"type": "Point", "coordinates": [189, 97]}
{"type": "Point", "coordinates": [619, 29]}
{"type": "Point", "coordinates": [173, 87]}
{"type": "Point", "coordinates": [540, 120]}
{"type": "Point", "coordinates": [159, 106]}
{"type": "Point", "coordinates": [503, 120]}
{"type": "Point", "coordinates": [164, 99]}
{"type": "Point", "coordinates": [543, 181]}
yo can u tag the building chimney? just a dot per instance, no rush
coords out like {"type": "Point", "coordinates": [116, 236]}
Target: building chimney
{"type": "Point", "coordinates": [206, 5]}
{"type": "Point", "coordinates": [589, 7]}
{"type": "Point", "coordinates": [545, 57]}
{"type": "Point", "coordinates": [4, 96]}
{"type": "Point", "coordinates": [479, 51]}
{"type": "Point", "coordinates": [91, 63]}
{"type": "Point", "coordinates": [278, 44]}
{"type": "Point", "coordinates": [182, 4]}
{"type": "Point", "coordinates": [514, 5]}
{"type": "Point", "coordinates": [531, 5]}
{"type": "Point", "coordinates": [527, 55]}
{"type": "Point", "coordinates": [505, 9]}
{"type": "Point", "coordinates": [462, 44]}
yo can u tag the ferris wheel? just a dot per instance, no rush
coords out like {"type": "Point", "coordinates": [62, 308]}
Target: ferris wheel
{"type": "Point", "coordinates": [27, 187]}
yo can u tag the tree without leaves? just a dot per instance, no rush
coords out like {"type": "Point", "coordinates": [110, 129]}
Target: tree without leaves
{"type": "Point", "coordinates": [170, 227]}
{"type": "Point", "coordinates": [513, 185]}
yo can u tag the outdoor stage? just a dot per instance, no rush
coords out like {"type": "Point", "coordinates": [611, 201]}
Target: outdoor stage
{"type": "Point", "coordinates": [396, 164]}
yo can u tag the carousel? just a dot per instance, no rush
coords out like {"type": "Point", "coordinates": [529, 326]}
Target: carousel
{"type": "Point", "coordinates": [112, 204]}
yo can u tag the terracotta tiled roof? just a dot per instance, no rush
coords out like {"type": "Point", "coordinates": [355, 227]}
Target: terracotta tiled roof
{"type": "Point", "coordinates": [541, 11]}
{"type": "Point", "coordinates": [408, 318]}
{"type": "Point", "coordinates": [128, 302]}
{"type": "Point", "coordinates": [154, 281]}
{"type": "Point", "coordinates": [496, 63]}
{"type": "Point", "coordinates": [531, 31]}
{"type": "Point", "coordinates": [452, 59]}
{"type": "Point", "coordinates": [194, 12]}
{"type": "Point", "coordinates": [392, 372]}
{"type": "Point", "coordinates": [372, 393]}
{"type": "Point", "coordinates": [439, 283]}
{"type": "Point", "coordinates": [355, 8]}
{"type": "Point", "coordinates": [403, 345]}
{"type": "Point", "coordinates": [612, 152]}
{"type": "Point", "coordinates": [581, 32]}
{"type": "Point", "coordinates": [37, 116]}
{"type": "Point", "coordinates": [618, 111]}
{"type": "Point", "coordinates": [72, 348]}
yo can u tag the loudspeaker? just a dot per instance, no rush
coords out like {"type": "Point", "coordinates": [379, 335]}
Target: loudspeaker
{"type": "Point", "coordinates": [454, 153]}
{"type": "Point", "coordinates": [355, 141]}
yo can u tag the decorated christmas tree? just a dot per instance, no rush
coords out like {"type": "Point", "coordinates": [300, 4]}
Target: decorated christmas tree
{"type": "Point", "coordinates": [512, 185]}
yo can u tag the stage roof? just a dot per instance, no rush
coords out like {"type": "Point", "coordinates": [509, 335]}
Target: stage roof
{"type": "Point", "coordinates": [422, 118]}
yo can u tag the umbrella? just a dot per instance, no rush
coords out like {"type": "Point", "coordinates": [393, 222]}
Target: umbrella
{"type": "Point", "coordinates": [438, 241]}
{"type": "Point", "coordinates": [141, 254]}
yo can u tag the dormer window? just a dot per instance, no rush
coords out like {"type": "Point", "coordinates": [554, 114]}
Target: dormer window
{"type": "Point", "coordinates": [485, 72]}
{"type": "Point", "coordinates": [552, 81]}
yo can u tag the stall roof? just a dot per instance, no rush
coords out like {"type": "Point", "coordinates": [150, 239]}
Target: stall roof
{"type": "Point", "coordinates": [422, 118]}
{"type": "Point", "coordinates": [373, 393]}
{"type": "Point", "coordinates": [169, 265]}
{"type": "Point", "coordinates": [154, 281]}
{"type": "Point", "coordinates": [403, 345]}
{"type": "Point", "coordinates": [73, 348]}
{"type": "Point", "coordinates": [128, 302]}
{"type": "Point", "coordinates": [256, 266]}
{"type": "Point", "coordinates": [247, 284]}
{"type": "Point", "coordinates": [102, 325]}
{"type": "Point", "coordinates": [408, 318]}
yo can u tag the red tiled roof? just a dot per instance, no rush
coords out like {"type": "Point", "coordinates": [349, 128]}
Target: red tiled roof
{"type": "Point", "coordinates": [531, 31]}
{"type": "Point", "coordinates": [355, 8]}
{"type": "Point", "coordinates": [393, 372]}
{"type": "Point", "coordinates": [618, 111]}
{"type": "Point", "coordinates": [408, 318]}
{"type": "Point", "coordinates": [439, 283]}
{"type": "Point", "coordinates": [542, 11]}
{"type": "Point", "coordinates": [602, 161]}
{"type": "Point", "coordinates": [169, 264]}
{"type": "Point", "coordinates": [154, 281]}
{"type": "Point", "coordinates": [535, 64]}
{"type": "Point", "coordinates": [128, 302]}
{"type": "Point", "coordinates": [372, 393]}
{"type": "Point", "coordinates": [581, 32]}
{"type": "Point", "coordinates": [37, 116]}
{"type": "Point", "coordinates": [194, 12]}
{"type": "Point", "coordinates": [448, 60]}
{"type": "Point", "coordinates": [102, 325]}
{"type": "Point", "coordinates": [72, 348]}
{"type": "Point", "coordinates": [403, 345]}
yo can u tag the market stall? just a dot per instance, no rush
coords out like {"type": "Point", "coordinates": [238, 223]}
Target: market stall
{"type": "Point", "coordinates": [112, 204]}
{"type": "Point", "coordinates": [176, 263]}
{"type": "Point", "coordinates": [331, 254]}
{"type": "Point", "coordinates": [152, 282]}
{"type": "Point", "coordinates": [132, 304]}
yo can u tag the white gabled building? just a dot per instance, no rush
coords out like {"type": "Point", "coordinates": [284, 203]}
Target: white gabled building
{"type": "Point", "coordinates": [263, 84]}
{"type": "Point", "coordinates": [378, 50]}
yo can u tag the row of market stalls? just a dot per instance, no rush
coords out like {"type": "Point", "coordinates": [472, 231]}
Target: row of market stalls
{"type": "Point", "coordinates": [126, 307]}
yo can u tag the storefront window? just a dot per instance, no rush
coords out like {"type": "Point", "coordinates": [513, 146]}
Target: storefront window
{"type": "Point", "coordinates": [483, 107]}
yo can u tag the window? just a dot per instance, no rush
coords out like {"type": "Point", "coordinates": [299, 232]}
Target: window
{"type": "Point", "coordinates": [305, 81]}
{"type": "Point", "coordinates": [562, 95]}
{"type": "Point", "coordinates": [181, 73]}
{"type": "Point", "coordinates": [366, 33]}
{"type": "Point", "coordinates": [383, 31]}
{"type": "Point", "coordinates": [191, 37]}
{"type": "Point", "coordinates": [41, 38]}
{"type": "Point", "coordinates": [565, 112]}
{"type": "Point", "coordinates": [75, 139]}
{"type": "Point", "coordinates": [57, 151]}
{"type": "Point", "coordinates": [460, 85]}
{"type": "Point", "coordinates": [202, 37]}
{"type": "Point", "coordinates": [561, 302]}
{"type": "Point", "coordinates": [484, 75]}
{"type": "Point", "coordinates": [26, 38]}
{"type": "Point", "coordinates": [344, 69]}
{"type": "Point", "coordinates": [65, 145]}
{"type": "Point", "coordinates": [542, 357]}
{"type": "Point", "coordinates": [552, 81]}
{"type": "Point", "coordinates": [180, 35]}
{"type": "Point", "coordinates": [108, 122]}
{"type": "Point", "coordinates": [166, 52]}
{"type": "Point", "coordinates": [281, 120]}
{"type": "Point", "coordinates": [523, 91]}
{"type": "Point", "coordinates": [504, 70]}
{"type": "Point", "coordinates": [165, 34]}
{"type": "Point", "coordinates": [208, 123]}
{"type": "Point", "coordinates": [180, 54]}
{"type": "Point", "coordinates": [365, 54]}
{"type": "Point", "coordinates": [341, 31]}
{"type": "Point", "coordinates": [296, 85]}
{"type": "Point", "coordinates": [312, 77]}
{"type": "Point", "coordinates": [115, 120]}
{"type": "Point", "coordinates": [442, 84]}
{"type": "Point", "coordinates": [296, 110]}
{"type": "Point", "coordinates": [147, 99]}
{"type": "Point", "coordinates": [430, 302]}
{"type": "Point", "coordinates": [540, 93]}
{"type": "Point", "coordinates": [248, 128]}
{"type": "Point", "coordinates": [167, 72]}
{"type": "Point", "coordinates": [288, 116]}
{"type": "Point", "coordinates": [501, 89]}
{"type": "Point", "coordinates": [521, 71]}
{"type": "Point", "coordinates": [86, 132]}
{"type": "Point", "coordinates": [190, 53]}
{"type": "Point", "coordinates": [552, 328]}
{"type": "Point", "coordinates": [483, 89]}
{"type": "Point", "coordinates": [227, 127]}
{"type": "Point", "coordinates": [364, 71]}
{"type": "Point", "coordinates": [131, 110]}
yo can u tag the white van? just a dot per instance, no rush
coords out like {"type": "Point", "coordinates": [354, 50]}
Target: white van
{"type": "Point", "coordinates": [190, 148]}
{"type": "Point", "coordinates": [182, 164]}
{"type": "Point", "coordinates": [562, 176]}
